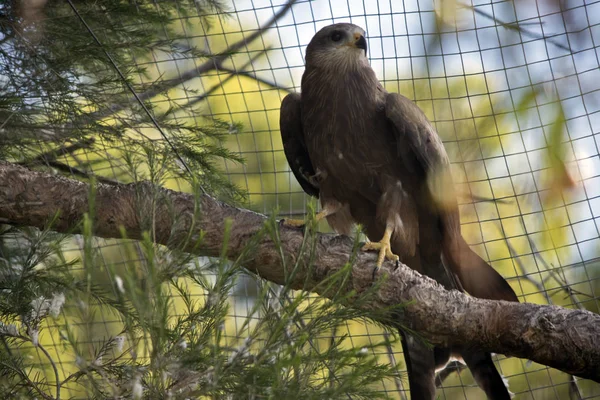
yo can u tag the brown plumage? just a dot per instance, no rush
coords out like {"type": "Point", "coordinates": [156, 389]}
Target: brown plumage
{"type": "Point", "coordinates": [373, 158]}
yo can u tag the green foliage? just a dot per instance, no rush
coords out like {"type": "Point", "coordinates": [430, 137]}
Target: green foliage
{"type": "Point", "coordinates": [168, 312]}
{"type": "Point", "coordinates": [74, 89]}
{"type": "Point", "coordinates": [82, 317]}
{"type": "Point", "coordinates": [86, 318]}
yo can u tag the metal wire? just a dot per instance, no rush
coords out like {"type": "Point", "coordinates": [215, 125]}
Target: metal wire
{"type": "Point", "coordinates": [470, 72]}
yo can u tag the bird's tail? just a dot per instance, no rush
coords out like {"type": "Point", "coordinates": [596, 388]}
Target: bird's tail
{"type": "Point", "coordinates": [420, 365]}
{"type": "Point", "coordinates": [475, 275]}
{"type": "Point", "coordinates": [486, 375]}
{"type": "Point", "coordinates": [422, 362]}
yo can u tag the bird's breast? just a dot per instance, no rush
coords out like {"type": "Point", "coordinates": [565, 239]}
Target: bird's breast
{"type": "Point", "coordinates": [347, 132]}
{"type": "Point", "coordinates": [349, 145]}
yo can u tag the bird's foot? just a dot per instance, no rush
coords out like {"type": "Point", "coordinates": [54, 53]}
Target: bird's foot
{"type": "Point", "coordinates": [385, 251]}
{"type": "Point", "coordinates": [293, 223]}
{"type": "Point", "coordinates": [377, 268]}
{"type": "Point", "coordinates": [300, 223]}
{"type": "Point", "coordinates": [374, 275]}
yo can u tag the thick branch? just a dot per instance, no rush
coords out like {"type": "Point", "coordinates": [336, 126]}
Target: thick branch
{"type": "Point", "coordinates": [561, 338]}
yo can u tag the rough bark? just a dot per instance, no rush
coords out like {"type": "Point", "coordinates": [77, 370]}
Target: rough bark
{"type": "Point", "coordinates": [562, 338]}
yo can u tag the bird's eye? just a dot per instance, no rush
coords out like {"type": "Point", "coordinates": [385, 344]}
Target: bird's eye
{"type": "Point", "coordinates": [336, 36]}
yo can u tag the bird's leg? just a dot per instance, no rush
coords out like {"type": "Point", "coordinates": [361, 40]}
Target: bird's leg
{"type": "Point", "coordinates": [325, 212]}
{"type": "Point", "coordinates": [296, 223]}
{"type": "Point", "coordinates": [384, 247]}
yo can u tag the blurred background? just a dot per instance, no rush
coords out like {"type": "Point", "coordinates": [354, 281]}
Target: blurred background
{"type": "Point", "coordinates": [512, 87]}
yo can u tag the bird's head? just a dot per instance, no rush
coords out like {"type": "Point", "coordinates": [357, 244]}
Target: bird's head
{"type": "Point", "coordinates": [336, 46]}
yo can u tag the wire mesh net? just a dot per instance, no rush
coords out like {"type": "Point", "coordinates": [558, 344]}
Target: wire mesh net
{"type": "Point", "coordinates": [496, 79]}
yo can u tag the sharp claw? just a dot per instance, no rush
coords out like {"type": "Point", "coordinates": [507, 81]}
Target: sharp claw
{"type": "Point", "coordinates": [397, 264]}
{"type": "Point", "coordinates": [292, 223]}
{"type": "Point", "coordinates": [384, 251]}
{"type": "Point", "coordinates": [374, 273]}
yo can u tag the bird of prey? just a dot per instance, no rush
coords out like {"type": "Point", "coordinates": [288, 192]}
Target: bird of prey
{"type": "Point", "coordinates": [373, 158]}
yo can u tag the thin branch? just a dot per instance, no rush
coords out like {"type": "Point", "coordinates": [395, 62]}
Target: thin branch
{"type": "Point", "coordinates": [21, 373]}
{"type": "Point", "coordinates": [64, 150]}
{"type": "Point", "coordinates": [220, 84]}
{"type": "Point", "coordinates": [26, 378]}
{"type": "Point", "coordinates": [214, 63]}
{"type": "Point", "coordinates": [129, 86]}
{"type": "Point", "coordinates": [81, 173]}
{"type": "Point", "coordinates": [300, 324]}
{"type": "Point", "coordinates": [43, 349]}
{"type": "Point", "coordinates": [517, 26]}
{"type": "Point", "coordinates": [573, 385]}
{"type": "Point", "coordinates": [525, 274]}
{"type": "Point", "coordinates": [562, 338]}
{"type": "Point", "coordinates": [574, 389]}
{"type": "Point", "coordinates": [485, 199]}
{"type": "Point", "coordinates": [253, 75]}
{"type": "Point", "coordinates": [53, 364]}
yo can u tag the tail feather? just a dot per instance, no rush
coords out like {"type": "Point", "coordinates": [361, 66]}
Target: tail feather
{"type": "Point", "coordinates": [423, 361]}
{"type": "Point", "coordinates": [476, 276]}
{"type": "Point", "coordinates": [463, 269]}
{"type": "Point", "coordinates": [420, 363]}
{"type": "Point", "coordinates": [486, 375]}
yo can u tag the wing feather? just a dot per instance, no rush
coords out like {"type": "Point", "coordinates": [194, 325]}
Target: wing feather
{"type": "Point", "coordinates": [423, 152]}
{"type": "Point", "coordinates": [412, 128]}
{"type": "Point", "coordinates": [418, 140]}
{"type": "Point", "coordinates": [294, 147]}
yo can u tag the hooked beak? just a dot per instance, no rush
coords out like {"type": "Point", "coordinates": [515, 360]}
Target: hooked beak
{"type": "Point", "coordinates": [360, 42]}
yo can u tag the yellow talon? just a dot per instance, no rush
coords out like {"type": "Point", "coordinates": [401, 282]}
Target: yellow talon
{"type": "Point", "coordinates": [299, 223]}
{"type": "Point", "coordinates": [384, 247]}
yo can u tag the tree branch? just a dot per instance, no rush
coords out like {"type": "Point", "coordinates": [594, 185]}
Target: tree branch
{"type": "Point", "coordinates": [215, 62]}
{"type": "Point", "coordinates": [562, 338]}
{"type": "Point", "coordinates": [64, 150]}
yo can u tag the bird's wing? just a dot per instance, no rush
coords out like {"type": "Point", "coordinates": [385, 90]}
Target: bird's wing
{"type": "Point", "coordinates": [411, 124]}
{"type": "Point", "coordinates": [292, 136]}
{"type": "Point", "coordinates": [423, 151]}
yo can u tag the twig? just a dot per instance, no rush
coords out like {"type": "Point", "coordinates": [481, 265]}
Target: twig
{"type": "Point", "coordinates": [130, 87]}
{"type": "Point", "coordinates": [516, 27]}
{"type": "Point", "coordinates": [24, 375]}
{"type": "Point", "coordinates": [525, 274]}
{"type": "Point", "coordinates": [485, 199]}
{"type": "Point", "coordinates": [26, 378]}
{"type": "Point", "coordinates": [253, 75]}
{"type": "Point", "coordinates": [219, 85]}
{"type": "Point", "coordinates": [63, 150]}
{"type": "Point", "coordinates": [332, 377]}
{"type": "Point", "coordinates": [79, 172]}
{"type": "Point", "coordinates": [300, 324]}
{"type": "Point", "coordinates": [574, 389]}
{"type": "Point", "coordinates": [53, 364]}
{"type": "Point", "coordinates": [573, 385]}
{"type": "Point", "coordinates": [214, 63]}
